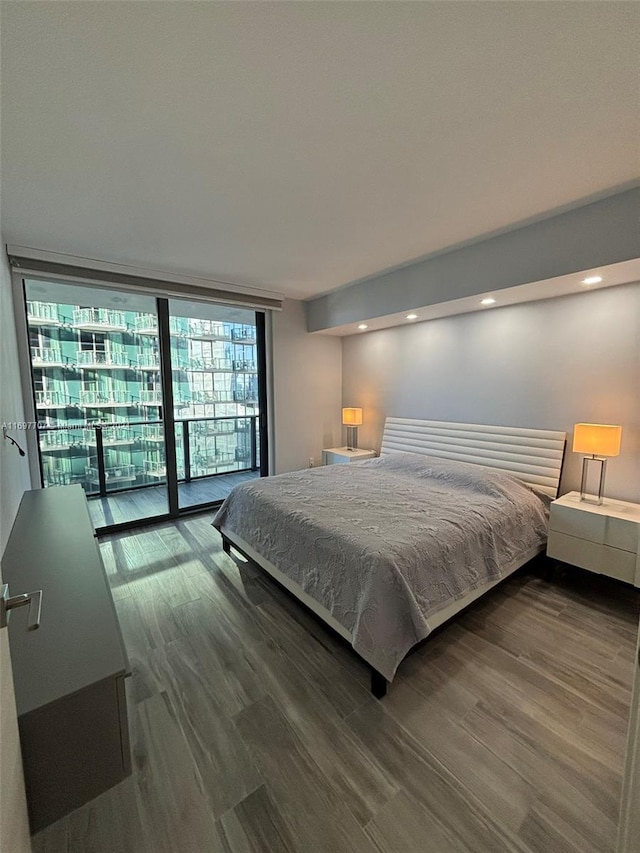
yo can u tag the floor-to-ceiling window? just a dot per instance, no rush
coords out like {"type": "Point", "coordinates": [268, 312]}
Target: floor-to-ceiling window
{"type": "Point", "coordinates": [100, 381]}
{"type": "Point", "coordinates": [214, 364]}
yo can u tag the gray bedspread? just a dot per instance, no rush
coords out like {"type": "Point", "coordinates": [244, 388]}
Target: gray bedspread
{"type": "Point", "coordinates": [386, 543]}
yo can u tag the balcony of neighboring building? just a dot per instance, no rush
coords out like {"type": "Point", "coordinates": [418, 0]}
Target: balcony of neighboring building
{"type": "Point", "coordinates": [150, 397]}
{"type": "Point", "coordinates": [148, 360]}
{"type": "Point", "coordinates": [48, 357]}
{"type": "Point", "coordinates": [99, 320]}
{"type": "Point", "coordinates": [112, 436]}
{"type": "Point", "coordinates": [211, 364]}
{"type": "Point", "coordinates": [208, 330]}
{"type": "Point", "coordinates": [43, 314]}
{"type": "Point", "coordinates": [243, 334]}
{"type": "Point", "coordinates": [111, 358]}
{"type": "Point", "coordinates": [114, 474]}
{"type": "Point", "coordinates": [51, 400]}
{"type": "Point", "coordinates": [245, 366]}
{"type": "Point", "coordinates": [147, 324]}
{"type": "Point", "coordinates": [105, 398]}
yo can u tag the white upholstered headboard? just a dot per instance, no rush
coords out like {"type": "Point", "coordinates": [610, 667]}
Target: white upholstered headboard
{"type": "Point", "coordinates": [532, 455]}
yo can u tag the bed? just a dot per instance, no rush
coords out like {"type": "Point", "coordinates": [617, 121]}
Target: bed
{"type": "Point", "coordinates": [386, 550]}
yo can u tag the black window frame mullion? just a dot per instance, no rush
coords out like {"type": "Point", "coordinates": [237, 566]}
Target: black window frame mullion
{"type": "Point", "coordinates": [166, 381]}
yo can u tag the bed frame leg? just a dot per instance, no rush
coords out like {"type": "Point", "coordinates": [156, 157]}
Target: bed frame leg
{"type": "Point", "coordinates": [226, 545]}
{"type": "Point", "coordinates": [379, 684]}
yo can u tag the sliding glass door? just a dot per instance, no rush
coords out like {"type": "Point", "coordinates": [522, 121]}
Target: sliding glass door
{"type": "Point", "coordinates": [214, 361]}
{"type": "Point", "coordinates": [104, 363]}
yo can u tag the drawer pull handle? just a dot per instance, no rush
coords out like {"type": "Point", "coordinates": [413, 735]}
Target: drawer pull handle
{"type": "Point", "coordinates": [32, 599]}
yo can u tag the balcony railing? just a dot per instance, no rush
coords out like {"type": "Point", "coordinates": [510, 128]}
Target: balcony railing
{"type": "Point", "coordinates": [247, 396]}
{"type": "Point", "coordinates": [207, 397]}
{"type": "Point", "coordinates": [97, 360]}
{"type": "Point", "coordinates": [155, 468]}
{"type": "Point", "coordinates": [148, 361]}
{"type": "Point", "coordinates": [151, 397]}
{"type": "Point", "coordinates": [99, 318]}
{"type": "Point", "coordinates": [43, 314]}
{"type": "Point", "coordinates": [222, 364]}
{"type": "Point", "coordinates": [47, 357]}
{"type": "Point", "coordinates": [214, 427]}
{"type": "Point", "coordinates": [51, 400]}
{"type": "Point", "coordinates": [112, 474]}
{"type": "Point", "coordinates": [112, 436]}
{"type": "Point", "coordinates": [205, 447]}
{"type": "Point", "coordinates": [245, 366]}
{"type": "Point", "coordinates": [146, 324]}
{"type": "Point", "coordinates": [244, 334]}
{"type": "Point", "coordinates": [106, 398]}
{"type": "Point", "coordinates": [60, 439]}
{"type": "Point", "coordinates": [208, 329]}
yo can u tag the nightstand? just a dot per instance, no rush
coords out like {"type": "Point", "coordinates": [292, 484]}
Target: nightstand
{"type": "Point", "coordinates": [603, 539]}
{"type": "Point", "coordinates": [341, 455]}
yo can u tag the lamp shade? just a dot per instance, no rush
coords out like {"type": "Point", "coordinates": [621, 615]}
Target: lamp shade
{"type": "Point", "coordinates": [352, 417]}
{"type": "Point", "coordinates": [597, 439]}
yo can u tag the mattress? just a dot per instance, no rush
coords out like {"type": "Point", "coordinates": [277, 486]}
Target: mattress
{"type": "Point", "coordinates": [386, 543]}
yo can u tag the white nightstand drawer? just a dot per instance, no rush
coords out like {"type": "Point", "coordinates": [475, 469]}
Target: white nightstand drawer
{"type": "Point", "coordinates": [622, 534]}
{"type": "Point", "coordinates": [573, 522]}
{"type": "Point", "coordinates": [619, 564]}
{"type": "Point", "coordinates": [578, 552]}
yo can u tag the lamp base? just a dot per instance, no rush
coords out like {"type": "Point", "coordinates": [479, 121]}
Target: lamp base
{"type": "Point", "coordinates": [585, 473]}
{"type": "Point", "coordinates": [352, 438]}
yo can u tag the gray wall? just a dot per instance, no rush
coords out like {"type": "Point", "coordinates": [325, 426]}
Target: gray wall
{"type": "Point", "coordinates": [545, 364]}
{"type": "Point", "coordinates": [14, 479]}
{"type": "Point", "coordinates": [307, 390]}
{"type": "Point", "coordinates": [594, 235]}
{"type": "Point", "coordinates": [14, 469]}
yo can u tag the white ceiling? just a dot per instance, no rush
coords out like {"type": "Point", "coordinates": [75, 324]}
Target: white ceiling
{"type": "Point", "coordinates": [300, 146]}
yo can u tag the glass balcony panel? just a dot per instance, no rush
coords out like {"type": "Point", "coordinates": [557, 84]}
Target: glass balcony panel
{"type": "Point", "coordinates": [64, 458]}
{"type": "Point", "coordinates": [105, 398]}
{"type": "Point", "coordinates": [51, 400]}
{"type": "Point", "coordinates": [151, 397]}
{"type": "Point", "coordinates": [148, 360]}
{"type": "Point", "coordinates": [245, 366]}
{"type": "Point", "coordinates": [100, 319]}
{"type": "Point", "coordinates": [42, 314]}
{"type": "Point", "coordinates": [243, 333]}
{"type": "Point", "coordinates": [146, 324]}
{"type": "Point", "coordinates": [116, 476]}
{"type": "Point", "coordinates": [47, 357]}
{"type": "Point", "coordinates": [96, 359]}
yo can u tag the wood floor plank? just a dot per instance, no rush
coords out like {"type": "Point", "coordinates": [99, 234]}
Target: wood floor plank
{"type": "Point", "coordinates": [497, 785]}
{"type": "Point", "coordinates": [315, 815]}
{"type": "Point", "coordinates": [173, 804]}
{"type": "Point", "coordinates": [224, 764]}
{"type": "Point", "coordinates": [256, 826]}
{"type": "Point", "coordinates": [403, 824]}
{"type": "Point", "coordinates": [428, 781]}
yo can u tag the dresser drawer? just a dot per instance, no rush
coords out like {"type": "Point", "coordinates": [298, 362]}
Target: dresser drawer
{"type": "Point", "coordinates": [619, 564]}
{"type": "Point", "coordinates": [578, 552]}
{"type": "Point", "coordinates": [577, 522]}
{"type": "Point", "coordinates": [622, 534]}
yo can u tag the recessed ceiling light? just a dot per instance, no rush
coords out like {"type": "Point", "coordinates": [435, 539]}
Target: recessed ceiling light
{"type": "Point", "coordinates": [412, 316]}
{"type": "Point", "coordinates": [363, 326]}
{"type": "Point", "coordinates": [592, 279]}
{"type": "Point", "coordinates": [488, 301]}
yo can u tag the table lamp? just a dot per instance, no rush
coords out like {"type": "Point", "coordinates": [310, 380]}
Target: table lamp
{"type": "Point", "coordinates": [599, 441]}
{"type": "Point", "coordinates": [352, 419]}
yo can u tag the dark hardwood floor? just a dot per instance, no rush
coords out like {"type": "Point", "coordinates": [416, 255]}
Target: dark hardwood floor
{"type": "Point", "coordinates": [134, 504]}
{"type": "Point", "coordinates": [253, 728]}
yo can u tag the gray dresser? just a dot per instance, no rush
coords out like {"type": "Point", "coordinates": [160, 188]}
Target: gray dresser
{"type": "Point", "coordinates": [69, 674]}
